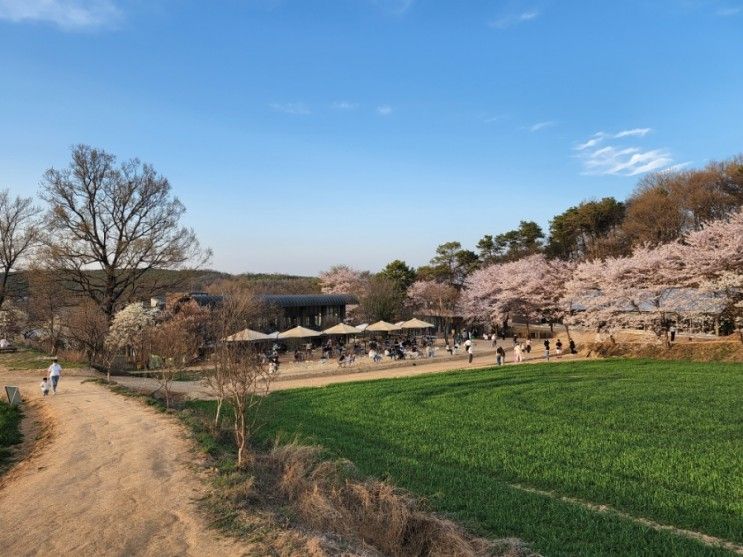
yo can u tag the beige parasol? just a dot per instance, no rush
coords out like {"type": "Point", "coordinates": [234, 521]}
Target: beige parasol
{"type": "Point", "coordinates": [341, 329]}
{"type": "Point", "coordinates": [247, 335]}
{"type": "Point", "coordinates": [382, 326]}
{"type": "Point", "coordinates": [299, 332]}
{"type": "Point", "coordinates": [416, 323]}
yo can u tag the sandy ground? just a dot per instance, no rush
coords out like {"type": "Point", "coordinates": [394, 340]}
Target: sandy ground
{"type": "Point", "coordinates": [484, 358]}
{"type": "Point", "coordinates": [112, 477]}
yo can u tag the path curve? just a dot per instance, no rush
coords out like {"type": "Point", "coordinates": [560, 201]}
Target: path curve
{"type": "Point", "coordinates": [115, 478]}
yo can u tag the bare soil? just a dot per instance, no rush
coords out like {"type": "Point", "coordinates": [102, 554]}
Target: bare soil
{"type": "Point", "coordinates": [104, 475]}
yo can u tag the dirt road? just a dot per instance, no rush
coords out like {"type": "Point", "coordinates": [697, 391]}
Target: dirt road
{"type": "Point", "coordinates": [113, 478]}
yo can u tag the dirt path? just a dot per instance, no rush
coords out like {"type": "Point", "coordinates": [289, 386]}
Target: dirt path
{"type": "Point", "coordinates": [113, 478]}
{"type": "Point", "coordinates": [199, 390]}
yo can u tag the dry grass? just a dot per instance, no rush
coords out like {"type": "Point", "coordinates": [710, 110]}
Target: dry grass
{"type": "Point", "coordinates": [683, 349]}
{"type": "Point", "coordinates": [329, 496]}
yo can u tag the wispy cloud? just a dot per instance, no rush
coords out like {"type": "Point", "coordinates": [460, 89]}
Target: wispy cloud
{"type": "Point", "coordinates": [344, 105]}
{"type": "Point", "coordinates": [629, 161]}
{"type": "Point", "coordinates": [623, 160]}
{"type": "Point", "coordinates": [542, 125]}
{"type": "Point", "coordinates": [510, 19]}
{"type": "Point", "coordinates": [634, 132]}
{"type": "Point", "coordinates": [295, 108]}
{"type": "Point", "coordinates": [600, 137]}
{"type": "Point", "coordinates": [384, 110]}
{"type": "Point", "coordinates": [396, 7]}
{"type": "Point", "coordinates": [69, 15]}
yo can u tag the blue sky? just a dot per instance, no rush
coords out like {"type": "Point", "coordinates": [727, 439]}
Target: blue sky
{"type": "Point", "coordinates": [304, 133]}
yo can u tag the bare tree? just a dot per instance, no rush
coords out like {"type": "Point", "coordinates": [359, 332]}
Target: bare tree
{"type": "Point", "coordinates": [112, 227]}
{"type": "Point", "coordinates": [88, 327]}
{"type": "Point", "coordinates": [238, 374]}
{"type": "Point", "coordinates": [176, 346]}
{"type": "Point", "coordinates": [177, 340]}
{"type": "Point", "coordinates": [19, 232]}
{"type": "Point", "coordinates": [47, 298]}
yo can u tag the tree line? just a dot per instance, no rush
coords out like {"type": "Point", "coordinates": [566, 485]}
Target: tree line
{"type": "Point", "coordinates": [665, 208]}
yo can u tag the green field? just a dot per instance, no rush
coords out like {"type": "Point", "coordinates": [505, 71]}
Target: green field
{"type": "Point", "coordinates": [10, 434]}
{"type": "Point", "coordinates": [659, 440]}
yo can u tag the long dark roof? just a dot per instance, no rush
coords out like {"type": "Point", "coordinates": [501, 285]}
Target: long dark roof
{"type": "Point", "coordinates": [299, 300]}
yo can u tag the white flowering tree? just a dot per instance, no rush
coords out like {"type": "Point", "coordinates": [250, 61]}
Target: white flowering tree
{"type": "Point", "coordinates": [129, 330]}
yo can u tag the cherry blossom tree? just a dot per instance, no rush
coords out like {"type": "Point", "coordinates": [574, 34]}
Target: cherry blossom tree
{"type": "Point", "coordinates": [342, 279]}
{"type": "Point", "coordinates": [624, 291]}
{"type": "Point", "coordinates": [435, 299]}
{"type": "Point", "coordinates": [711, 260]}
{"type": "Point", "coordinates": [532, 288]}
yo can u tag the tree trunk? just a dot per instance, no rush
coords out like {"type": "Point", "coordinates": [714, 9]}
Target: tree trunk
{"type": "Point", "coordinates": [567, 331]}
{"type": "Point", "coordinates": [218, 414]}
{"type": "Point", "coordinates": [3, 285]}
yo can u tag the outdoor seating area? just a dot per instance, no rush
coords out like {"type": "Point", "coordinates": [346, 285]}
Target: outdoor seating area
{"type": "Point", "coordinates": [347, 344]}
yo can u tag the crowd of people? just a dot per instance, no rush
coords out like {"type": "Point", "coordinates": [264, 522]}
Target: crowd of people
{"type": "Point", "coordinates": [347, 351]}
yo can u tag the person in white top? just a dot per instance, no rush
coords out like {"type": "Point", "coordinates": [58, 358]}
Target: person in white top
{"type": "Point", "coordinates": [517, 353]}
{"type": "Point", "coordinates": [55, 371]}
{"type": "Point", "coordinates": [4, 343]}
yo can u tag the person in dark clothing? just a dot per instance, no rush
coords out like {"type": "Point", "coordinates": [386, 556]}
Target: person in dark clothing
{"type": "Point", "coordinates": [572, 347]}
{"type": "Point", "coordinates": [547, 350]}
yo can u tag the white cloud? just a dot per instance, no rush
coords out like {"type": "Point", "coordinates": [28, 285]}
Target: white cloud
{"type": "Point", "coordinates": [597, 138]}
{"type": "Point", "coordinates": [600, 137]}
{"type": "Point", "coordinates": [628, 161]}
{"type": "Point", "coordinates": [542, 125]}
{"type": "Point", "coordinates": [634, 132]}
{"type": "Point", "coordinates": [509, 20]}
{"type": "Point", "coordinates": [384, 110]}
{"type": "Point", "coordinates": [67, 14]}
{"type": "Point", "coordinates": [296, 108]}
{"type": "Point", "coordinates": [345, 105]}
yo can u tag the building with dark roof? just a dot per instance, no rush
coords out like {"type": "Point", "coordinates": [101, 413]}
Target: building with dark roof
{"type": "Point", "coordinates": [284, 311]}
{"type": "Point", "coordinates": [315, 311]}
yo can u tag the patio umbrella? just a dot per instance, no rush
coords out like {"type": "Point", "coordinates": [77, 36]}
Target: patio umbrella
{"type": "Point", "coordinates": [247, 335]}
{"type": "Point", "coordinates": [299, 332]}
{"type": "Point", "coordinates": [416, 323]}
{"type": "Point", "coordinates": [382, 326]}
{"type": "Point", "coordinates": [274, 335]}
{"type": "Point", "coordinates": [362, 327]}
{"type": "Point", "coordinates": [341, 329]}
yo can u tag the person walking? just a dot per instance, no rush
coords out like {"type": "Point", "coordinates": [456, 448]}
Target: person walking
{"type": "Point", "coordinates": [528, 346]}
{"type": "Point", "coordinates": [571, 344]}
{"type": "Point", "coordinates": [517, 354]}
{"type": "Point", "coordinates": [500, 356]}
{"type": "Point", "coordinates": [558, 348]}
{"type": "Point", "coordinates": [471, 352]}
{"type": "Point", "coordinates": [672, 330]}
{"type": "Point", "coordinates": [547, 350]}
{"type": "Point", "coordinates": [44, 386]}
{"type": "Point", "coordinates": [55, 372]}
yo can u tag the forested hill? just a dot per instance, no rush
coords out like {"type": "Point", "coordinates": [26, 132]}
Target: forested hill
{"type": "Point", "coordinates": [166, 281]}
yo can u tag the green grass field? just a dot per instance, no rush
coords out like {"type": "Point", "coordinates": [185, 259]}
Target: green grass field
{"type": "Point", "coordinates": [659, 440]}
{"type": "Point", "coordinates": [10, 434]}
{"type": "Point", "coordinates": [27, 359]}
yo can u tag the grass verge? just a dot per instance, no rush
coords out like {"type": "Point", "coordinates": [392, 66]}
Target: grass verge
{"type": "Point", "coordinates": [10, 431]}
